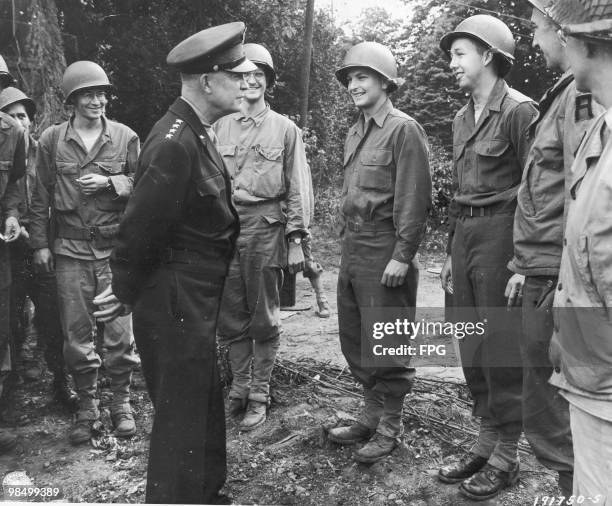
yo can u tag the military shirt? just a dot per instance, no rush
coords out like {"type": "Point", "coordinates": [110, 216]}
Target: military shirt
{"type": "Point", "coordinates": [114, 155]}
{"type": "Point", "coordinates": [386, 177]}
{"type": "Point", "coordinates": [266, 159]}
{"type": "Point", "coordinates": [581, 346]}
{"type": "Point", "coordinates": [489, 155]}
{"type": "Point", "coordinates": [565, 116]}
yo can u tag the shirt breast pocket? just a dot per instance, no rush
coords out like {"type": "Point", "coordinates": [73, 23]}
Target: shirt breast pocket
{"type": "Point", "coordinates": [493, 173]}
{"type": "Point", "coordinates": [211, 206]}
{"type": "Point", "coordinates": [268, 180]}
{"type": "Point", "coordinates": [375, 170]}
{"type": "Point", "coordinates": [67, 191]}
{"type": "Point", "coordinates": [228, 152]}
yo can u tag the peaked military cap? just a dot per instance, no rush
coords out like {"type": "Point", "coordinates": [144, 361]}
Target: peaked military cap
{"type": "Point", "coordinates": [216, 48]}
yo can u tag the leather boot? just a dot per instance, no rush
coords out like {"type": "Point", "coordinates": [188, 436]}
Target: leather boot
{"type": "Point", "coordinates": [488, 482]}
{"type": "Point", "coordinates": [255, 415]}
{"type": "Point", "coordinates": [82, 429]}
{"type": "Point", "coordinates": [8, 440]}
{"type": "Point", "coordinates": [234, 407]}
{"type": "Point", "coordinates": [62, 392]}
{"type": "Point", "coordinates": [124, 423]}
{"type": "Point", "coordinates": [459, 471]}
{"type": "Point", "coordinates": [350, 434]}
{"type": "Point", "coordinates": [324, 310]}
{"type": "Point", "coordinates": [376, 449]}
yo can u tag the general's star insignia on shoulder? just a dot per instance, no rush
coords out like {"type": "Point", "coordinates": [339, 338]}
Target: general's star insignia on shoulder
{"type": "Point", "coordinates": [174, 128]}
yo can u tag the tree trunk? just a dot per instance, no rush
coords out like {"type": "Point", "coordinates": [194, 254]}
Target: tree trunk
{"type": "Point", "coordinates": [31, 42]}
{"type": "Point", "coordinates": [307, 57]}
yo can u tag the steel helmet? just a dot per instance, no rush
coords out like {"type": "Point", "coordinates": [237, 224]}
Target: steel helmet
{"type": "Point", "coordinates": [371, 55]}
{"type": "Point", "coordinates": [259, 55]}
{"type": "Point", "coordinates": [11, 95]}
{"type": "Point", "coordinates": [6, 79]}
{"type": "Point", "coordinates": [83, 74]}
{"type": "Point", "coordinates": [491, 32]}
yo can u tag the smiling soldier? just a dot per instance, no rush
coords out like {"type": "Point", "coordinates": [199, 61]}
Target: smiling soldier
{"type": "Point", "coordinates": [85, 169]}
{"type": "Point", "coordinates": [385, 202]}
{"type": "Point", "coordinates": [490, 147]}
{"type": "Point", "coordinates": [271, 189]}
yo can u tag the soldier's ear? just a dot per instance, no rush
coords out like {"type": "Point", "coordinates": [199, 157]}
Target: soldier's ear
{"type": "Point", "coordinates": [205, 83]}
{"type": "Point", "coordinates": [562, 37]}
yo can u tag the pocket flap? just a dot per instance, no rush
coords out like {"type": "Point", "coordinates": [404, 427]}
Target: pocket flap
{"type": "Point", "coordinates": [495, 147]}
{"type": "Point", "coordinates": [376, 157]}
{"type": "Point", "coordinates": [211, 186]}
{"type": "Point", "coordinates": [226, 149]}
{"type": "Point", "coordinates": [273, 154]}
{"type": "Point", "coordinates": [110, 167]}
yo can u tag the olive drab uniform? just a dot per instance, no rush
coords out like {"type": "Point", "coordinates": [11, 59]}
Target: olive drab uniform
{"type": "Point", "coordinates": [385, 201]}
{"type": "Point", "coordinates": [173, 250]}
{"type": "Point", "coordinates": [83, 228]}
{"type": "Point", "coordinates": [488, 160]}
{"type": "Point", "coordinates": [12, 168]}
{"type": "Point", "coordinates": [266, 159]}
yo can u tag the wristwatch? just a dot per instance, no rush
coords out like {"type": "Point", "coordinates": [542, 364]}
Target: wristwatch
{"type": "Point", "coordinates": [296, 239]}
{"type": "Point", "coordinates": [109, 183]}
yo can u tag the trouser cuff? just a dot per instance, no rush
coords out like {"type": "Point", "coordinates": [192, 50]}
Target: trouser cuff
{"type": "Point", "coordinates": [258, 397]}
{"type": "Point", "coordinates": [503, 463]}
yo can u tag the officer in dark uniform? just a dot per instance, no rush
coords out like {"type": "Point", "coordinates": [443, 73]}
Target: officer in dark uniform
{"type": "Point", "coordinates": [173, 250]}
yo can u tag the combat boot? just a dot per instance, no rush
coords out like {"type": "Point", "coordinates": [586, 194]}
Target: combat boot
{"type": "Point", "coordinates": [234, 406]}
{"type": "Point", "coordinates": [124, 423]}
{"type": "Point", "coordinates": [324, 311]}
{"type": "Point", "coordinates": [82, 429]}
{"type": "Point", "coordinates": [8, 440]}
{"type": "Point", "coordinates": [350, 434]}
{"type": "Point", "coordinates": [376, 449]}
{"type": "Point", "coordinates": [62, 392]}
{"type": "Point", "coordinates": [488, 482]}
{"type": "Point", "coordinates": [255, 415]}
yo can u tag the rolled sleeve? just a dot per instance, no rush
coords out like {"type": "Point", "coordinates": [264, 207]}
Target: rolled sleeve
{"type": "Point", "coordinates": [123, 184]}
{"type": "Point", "coordinates": [412, 195]}
{"type": "Point", "coordinates": [299, 183]}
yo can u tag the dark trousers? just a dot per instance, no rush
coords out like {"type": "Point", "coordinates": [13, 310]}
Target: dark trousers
{"type": "Point", "coordinates": [42, 290]}
{"type": "Point", "coordinates": [175, 322]}
{"type": "Point", "coordinates": [546, 419]}
{"type": "Point", "coordinates": [481, 249]}
{"type": "Point", "coordinates": [364, 258]}
{"type": "Point", "coordinates": [5, 298]}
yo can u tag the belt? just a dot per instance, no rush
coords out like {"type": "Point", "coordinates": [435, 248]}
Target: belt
{"type": "Point", "coordinates": [369, 226]}
{"type": "Point", "coordinates": [473, 211]}
{"type": "Point", "coordinates": [84, 233]}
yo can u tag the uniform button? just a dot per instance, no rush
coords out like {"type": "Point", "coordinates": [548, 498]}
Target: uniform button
{"type": "Point", "coordinates": [557, 370]}
{"type": "Point", "coordinates": [549, 283]}
{"type": "Point", "coordinates": [560, 287]}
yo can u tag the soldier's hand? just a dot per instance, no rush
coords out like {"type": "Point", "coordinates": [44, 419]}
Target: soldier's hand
{"type": "Point", "coordinates": [514, 290]}
{"type": "Point", "coordinates": [92, 183]}
{"type": "Point", "coordinates": [12, 229]}
{"type": "Point", "coordinates": [395, 274]}
{"type": "Point", "coordinates": [110, 306]}
{"type": "Point", "coordinates": [446, 276]}
{"type": "Point", "coordinates": [295, 258]}
{"type": "Point", "coordinates": [43, 260]}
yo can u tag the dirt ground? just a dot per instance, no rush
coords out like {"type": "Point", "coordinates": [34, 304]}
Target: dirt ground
{"type": "Point", "coordinates": [288, 460]}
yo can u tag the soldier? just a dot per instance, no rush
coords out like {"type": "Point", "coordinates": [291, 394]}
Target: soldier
{"type": "Point", "coordinates": [564, 117]}
{"type": "Point", "coordinates": [174, 247]}
{"type": "Point", "coordinates": [385, 202]}
{"type": "Point", "coordinates": [490, 147]}
{"type": "Point", "coordinates": [12, 161]}
{"type": "Point", "coordinates": [265, 157]}
{"type": "Point", "coordinates": [581, 347]}
{"type": "Point", "coordinates": [40, 287]}
{"type": "Point", "coordinates": [85, 169]}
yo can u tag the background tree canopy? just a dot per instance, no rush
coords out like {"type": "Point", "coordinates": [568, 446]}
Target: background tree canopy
{"type": "Point", "coordinates": [131, 38]}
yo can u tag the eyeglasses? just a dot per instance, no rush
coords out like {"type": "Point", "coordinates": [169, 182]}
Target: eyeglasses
{"type": "Point", "coordinates": [259, 75]}
{"type": "Point", "coordinates": [18, 115]}
{"type": "Point", "coordinates": [90, 96]}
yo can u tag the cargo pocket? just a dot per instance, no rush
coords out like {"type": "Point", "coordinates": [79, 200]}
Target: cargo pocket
{"type": "Point", "coordinates": [269, 180]}
{"type": "Point", "coordinates": [375, 170]}
{"type": "Point", "coordinates": [67, 190]}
